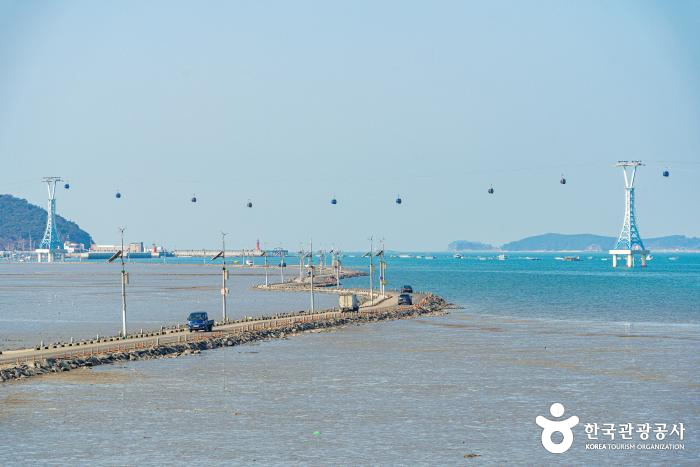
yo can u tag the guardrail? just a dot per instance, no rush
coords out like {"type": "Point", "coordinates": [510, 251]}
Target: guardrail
{"type": "Point", "coordinates": [174, 336]}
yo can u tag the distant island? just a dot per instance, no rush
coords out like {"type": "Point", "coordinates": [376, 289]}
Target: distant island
{"type": "Point", "coordinates": [464, 245]}
{"type": "Point", "coordinates": [579, 242]}
{"type": "Point", "coordinates": [22, 225]}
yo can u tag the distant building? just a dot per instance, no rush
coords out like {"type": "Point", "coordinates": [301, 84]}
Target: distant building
{"type": "Point", "coordinates": [72, 247]}
{"type": "Point", "coordinates": [104, 248]}
{"type": "Point", "coordinates": [134, 247]}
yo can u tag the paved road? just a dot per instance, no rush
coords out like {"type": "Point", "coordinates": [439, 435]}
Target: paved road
{"type": "Point", "coordinates": [172, 336]}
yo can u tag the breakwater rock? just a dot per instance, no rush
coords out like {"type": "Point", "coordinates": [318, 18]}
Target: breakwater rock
{"type": "Point", "coordinates": [430, 305]}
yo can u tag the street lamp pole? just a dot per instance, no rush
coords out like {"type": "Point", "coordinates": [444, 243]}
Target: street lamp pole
{"type": "Point", "coordinates": [371, 270]}
{"type": "Point", "coordinates": [124, 281]}
{"type": "Point", "coordinates": [281, 267]}
{"type": "Point", "coordinates": [336, 264]}
{"type": "Point", "coordinates": [311, 266]}
{"type": "Point", "coordinates": [301, 263]}
{"type": "Point", "coordinates": [224, 277]}
{"type": "Point", "coordinates": [266, 279]}
{"type": "Point", "coordinates": [382, 271]}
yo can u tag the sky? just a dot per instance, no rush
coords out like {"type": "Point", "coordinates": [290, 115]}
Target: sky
{"type": "Point", "coordinates": [289, 104]}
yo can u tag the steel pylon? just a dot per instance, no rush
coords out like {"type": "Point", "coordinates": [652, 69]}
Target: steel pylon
{"type": "Point", "coordinates": [51, 241]}
{"type": "Point", "coordinates": [629, 238]}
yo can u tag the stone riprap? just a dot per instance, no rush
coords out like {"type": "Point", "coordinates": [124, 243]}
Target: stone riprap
{"type": "Point", "coordinates": [430, 305]}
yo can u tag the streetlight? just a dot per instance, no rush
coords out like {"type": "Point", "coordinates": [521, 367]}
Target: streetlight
{"type": "Point", "coordinates": [264, 253]}
{"type": "Point", "coordinates": [282, 265]}
{"type": "Point", "coordinates": [336, 265]}
{"type": "Point", "coordinates": [301, 263]}
{"type": "Point", "coordinates": [311, 267]}
{"type": "Point", "coordinates": [371, 270]}
{"type": "Point", "coordinates": [125, 280]}
{"type": "Point", "coordinates": [382, 270]}
{"type": "Point", "coordinates": [224, 276]}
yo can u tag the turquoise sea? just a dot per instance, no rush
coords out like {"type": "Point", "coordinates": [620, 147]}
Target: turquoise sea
{"type": "Point", "coordinates": [612, 346]}
{"type": "Point", "coordinates": [667, 291]}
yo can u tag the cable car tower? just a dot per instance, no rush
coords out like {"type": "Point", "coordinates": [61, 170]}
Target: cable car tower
{"type": "Point", "coordinates": [50, 243]}
{"type": "Point", "coordinates": [629, 243]}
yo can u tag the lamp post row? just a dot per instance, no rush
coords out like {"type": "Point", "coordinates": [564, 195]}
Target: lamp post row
{"type": "Point", "coordinates": [336, 264]}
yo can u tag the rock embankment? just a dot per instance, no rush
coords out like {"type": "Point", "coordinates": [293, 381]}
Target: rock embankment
{"type": "Point", "coordinates": [430, 305]}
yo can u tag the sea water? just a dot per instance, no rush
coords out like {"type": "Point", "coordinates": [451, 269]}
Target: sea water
{"type": "Point", "coordinates": [612, 346]}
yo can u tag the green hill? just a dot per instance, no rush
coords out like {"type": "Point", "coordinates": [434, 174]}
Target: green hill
{"type": "Point", "coordinates": [20, 221]}
{"type": "Point", "coordinates": [561, 242]}
{"type": "Point", "coordinates": [589, 242]}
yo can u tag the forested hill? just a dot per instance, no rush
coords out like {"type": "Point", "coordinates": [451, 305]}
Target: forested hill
{"type": "Point", "coordinates": [589, 242]}
{"type": "Point", "coordinates": [20, 220]}
{"type": "Point", "coordinates": [561, 242]}
{"type": "Point", "coordinates": [580, 242]}
{"type": "Point", "coordinates": [465, 245]}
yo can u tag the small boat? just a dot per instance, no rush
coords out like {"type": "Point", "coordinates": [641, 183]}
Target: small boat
{"type": "Point", "coordinates": [430, 257]}
{"type": "Point", "coordinates": [404, 256]}
{"type": "Point", "coordinates": [673, 258]}
{"type": "Point", "coordinates": [530, 258]}
{"type": "Point", "coordinates": [502, 257]}
{"type": "Point", "coordinates": [457, 256]}
{"type": "Point", "coordinates": [649, 257]}
{"type": "Point", "coordinates": [249, 262]}
{"type": "Point", "coordinates": [572, 258]}
{"type": "Point", "coordinates": [419, 257]}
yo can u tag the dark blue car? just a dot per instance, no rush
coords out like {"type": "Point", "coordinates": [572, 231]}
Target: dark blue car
{"type": "Point", "coordinates": [405, 299]}
{"type": "Point", "coordinates": [199, 321]}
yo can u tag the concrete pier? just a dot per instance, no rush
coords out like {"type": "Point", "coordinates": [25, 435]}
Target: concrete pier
{"type": "Point", "coordinates": [629, 255]}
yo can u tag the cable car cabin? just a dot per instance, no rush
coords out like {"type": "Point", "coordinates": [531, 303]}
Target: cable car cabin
{"type": "Point", "coordinates": [562, 181]}
{"type": "Point", "coordinates": [398, 200]}
{"type": "Point", "coordinates": [666, 173]}
{"type": "Point", "coordinates": [491, 190]}
{"type": "Point", "coordinates": [118, 195]}
{"type": "Point", "coordinates": [249, 204]}
{"type": "Point", "coordinates": [66, 186]}
{"type": "Point", "coordinates": [334, 201]}
{"type": "Point", "coordinates": [194, 199]}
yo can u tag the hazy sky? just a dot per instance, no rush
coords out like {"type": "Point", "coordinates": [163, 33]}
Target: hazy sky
{"type": "Point", "coordinates": [288, 103]}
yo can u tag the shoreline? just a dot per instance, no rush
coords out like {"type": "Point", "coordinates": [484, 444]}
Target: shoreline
{"type": "Point", "coordinates": [430, 305]}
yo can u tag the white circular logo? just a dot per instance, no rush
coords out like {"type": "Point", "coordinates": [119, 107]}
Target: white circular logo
{"type": "Point", "coordinates": [557, 410]}
{"type": "Point", "coordinates": [549, 427]}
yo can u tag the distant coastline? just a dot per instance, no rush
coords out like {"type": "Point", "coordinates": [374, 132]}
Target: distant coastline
{"type": "Point", "coordinates": [578, 243]}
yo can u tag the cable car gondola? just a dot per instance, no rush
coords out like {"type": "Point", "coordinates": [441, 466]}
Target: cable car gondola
{"type": "Point", "coordinates": [66, 186]}
{"type": "Point", "coordinates": [491, 190]}
{"type": "Point", "coordinates": [194, 198]}
{"type": "Point", "coordinates": [334, 201]}
{"type": "Point", "coordinates": [563, 180]}
{"type": "Point", "coordinates": [666, 173]}
{"type": "Point", "coordinates": [398, 199]}
{"type": "Point", "coordinates": [249, 204]}
{"type": "Point", "coordinates": [118, 195]}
